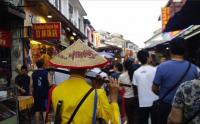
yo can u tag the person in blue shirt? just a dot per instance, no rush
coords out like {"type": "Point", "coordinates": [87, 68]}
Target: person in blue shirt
{"type": "Point", "coordinates": [167, 75]}
{"type": "Point", "coordinates": [40, 91]}
{"type": "Point", "coordinates": [118, 68]}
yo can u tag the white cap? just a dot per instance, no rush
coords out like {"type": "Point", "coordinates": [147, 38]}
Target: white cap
{"type": "Point", "coordinates": [96, 71]}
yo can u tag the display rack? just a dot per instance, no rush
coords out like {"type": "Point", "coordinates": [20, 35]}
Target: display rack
{"type": "Point", "coordinates": [8, 105]}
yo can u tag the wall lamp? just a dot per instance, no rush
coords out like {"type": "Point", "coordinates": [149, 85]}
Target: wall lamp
{"type": "Point", "coordinates": [49, 16]}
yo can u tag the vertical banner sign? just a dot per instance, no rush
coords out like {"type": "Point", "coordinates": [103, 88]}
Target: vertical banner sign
{"type": "Point", "coordinates": [5, 38]}
{"type": "Point", "coordinates": [47, 31]}
{"type": "Point", "coordinates": [165, 16]}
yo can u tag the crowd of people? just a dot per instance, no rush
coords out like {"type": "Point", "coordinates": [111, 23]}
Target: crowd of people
{"type": "Point", "coordinates": [126, 92]}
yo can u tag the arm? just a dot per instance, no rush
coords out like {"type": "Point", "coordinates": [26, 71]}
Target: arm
{"type": "Point", "coordinates": [157, 81]}
{"type": "Point", "coordinates": [135, 88]}
{"type": "Point", "coordinates": [18, 86]}
{"type": "Point", "coordinates": [109, 111]}
{"type": "Point", "coordinates": [175, 116]}
{"type": "Point", "coordinates": [31, 86]}
{"type": "Point", "coordinates": [155, 88]}
{"type": "Point", "coordinates": [114, 90]}
{"type": "Point", "coordinates": [50, 80]}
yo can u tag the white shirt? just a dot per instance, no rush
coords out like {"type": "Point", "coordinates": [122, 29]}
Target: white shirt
{"type": "Point", "coordinates": [143, 78]}
{"type": "Point", "coordinates": [61, 77]}
{"type": "Point", "coordinates": [124, 79]}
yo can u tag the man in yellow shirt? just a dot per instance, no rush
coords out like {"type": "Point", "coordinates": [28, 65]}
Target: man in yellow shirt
{"type": "Point", "coordinates": [78, 57]}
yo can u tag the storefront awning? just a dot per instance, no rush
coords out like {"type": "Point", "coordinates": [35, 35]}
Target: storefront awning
{"type": "Point", "coordinates": [10, 12]}
{"type": "Point", "coordinates": [188, 15]}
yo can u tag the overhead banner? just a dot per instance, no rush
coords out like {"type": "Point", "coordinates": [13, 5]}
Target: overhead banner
{"type": "Point", "coordinates": [47, 31]}
{"type": "Point", "coordinates": [5, 38]}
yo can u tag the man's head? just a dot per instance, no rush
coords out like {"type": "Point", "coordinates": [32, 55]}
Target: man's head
{"type": "Point", "coordinates": [127, 64]}
{"type": "Point", "coordinates": [177, 46]}
{"type": "Point", "coordinates": [24, 70]}
{"type": "Point", "coordinates": [39, 64]}
{"type": "Point", "coordinates": [118, 67]}
{"type": "Point", "coordinates": [96, 77]}
{"type": "Point", "coordinates": [143, 56]}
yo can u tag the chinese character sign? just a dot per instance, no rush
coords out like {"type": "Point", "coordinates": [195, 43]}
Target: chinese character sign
{"type": "Point", "coordinates": [165, 16]}
{"type": "Point", "coordinates": [5, 38]}
{"type": "Point", "coordinates": [47, 31]}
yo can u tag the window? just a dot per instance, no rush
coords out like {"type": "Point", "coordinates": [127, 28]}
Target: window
{"type": "Point", "coordinates": [79, 23]}
{"type": "Point", "coordinates": [70, 9]}
{"type": "Point", "coordinates": [70, 12]}
{"type": "Point", "coordinates": [57, 4]}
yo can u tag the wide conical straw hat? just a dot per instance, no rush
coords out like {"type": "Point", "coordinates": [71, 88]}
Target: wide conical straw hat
{"type": "Point", "coordinates": [78, 56]}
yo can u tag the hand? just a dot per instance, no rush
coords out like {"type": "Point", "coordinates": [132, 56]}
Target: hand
{"type": "Point", "coordinates": [22, 90]}
{"type": "Point", "coordinates": [114, 89]}
{"type": "Point", "coordinates": [30, 93]}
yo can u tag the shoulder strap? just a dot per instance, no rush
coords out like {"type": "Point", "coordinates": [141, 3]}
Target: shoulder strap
{"type": "Point", "coordinates": [79, 105]}
{"type": "Point", "coordinates": [178, 82]}
{"type": "Point", "coordinates": [95, 108]}
{"type": "Point", "coordinates": [58, 113]}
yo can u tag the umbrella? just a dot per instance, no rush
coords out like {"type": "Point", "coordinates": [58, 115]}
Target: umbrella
{"type": "Point", "coordinates": [106, 54]}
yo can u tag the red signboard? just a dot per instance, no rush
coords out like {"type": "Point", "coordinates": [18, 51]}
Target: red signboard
{"type": "Point", "coordinates": [47, 31]}
{"type": "Point", "coordinates": [5, 38]}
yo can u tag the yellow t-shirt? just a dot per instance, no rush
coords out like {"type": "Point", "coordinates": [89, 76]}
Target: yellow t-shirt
{"type": "Point", "coordinates": [72, 91]}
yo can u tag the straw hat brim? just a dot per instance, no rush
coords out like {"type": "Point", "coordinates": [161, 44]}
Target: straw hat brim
{"type": "Point", "coordinates": [78, 56]}
{"type": "Point", "coordinates": [79, 67]}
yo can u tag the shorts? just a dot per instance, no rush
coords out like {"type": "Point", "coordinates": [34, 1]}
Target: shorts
{"type": "Point", "coordinates": [40, 104]}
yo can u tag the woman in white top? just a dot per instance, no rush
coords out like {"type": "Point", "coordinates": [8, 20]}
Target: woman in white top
{"type": "Point", "coordinates": [131, 102]}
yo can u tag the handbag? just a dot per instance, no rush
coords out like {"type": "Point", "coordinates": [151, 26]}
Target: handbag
{"type": "Point", "coordinates": [158, 102]}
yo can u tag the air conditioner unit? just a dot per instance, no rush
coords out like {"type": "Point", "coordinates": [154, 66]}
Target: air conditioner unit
{"type": "Point", "coordinates": [14, 2]}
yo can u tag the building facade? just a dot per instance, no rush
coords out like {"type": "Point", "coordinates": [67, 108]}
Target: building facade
{"type": "Point", "coordinates": [72, 10]}
{"type": "Point", "coordinates": [11, 35]}
{"type": "Point", "coordinates": [67, 15]}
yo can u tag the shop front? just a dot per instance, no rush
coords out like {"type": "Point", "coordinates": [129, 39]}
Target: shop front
{"type": "Point", "coordinates": [5, 57]}
{"type": "Point", "coordinates": [11, 28]}
{"type": "Point", "coordinates": [11, 23]}
{"type": "Point", "coordinates": [48, 32]}
{"type": "Point", "coordinates": [45, 38]}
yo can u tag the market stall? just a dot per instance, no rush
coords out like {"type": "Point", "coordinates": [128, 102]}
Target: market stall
{"type": "Point", "coordinates": [25, 104]}
{"type": "Point", "coordinates": [41, 51]}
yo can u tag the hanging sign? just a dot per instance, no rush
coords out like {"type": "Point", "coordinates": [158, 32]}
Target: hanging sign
{"type": "Point", "coordinates": [165, 16]}
{"type": "Point", "coordinates": [5, 38]}
{"type": "Point", "coordinates": [47, 31]}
